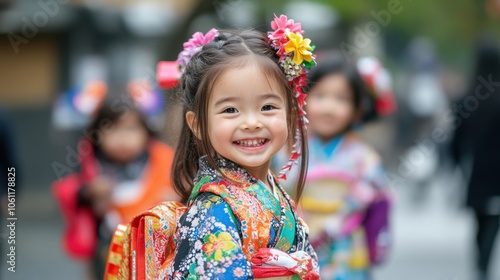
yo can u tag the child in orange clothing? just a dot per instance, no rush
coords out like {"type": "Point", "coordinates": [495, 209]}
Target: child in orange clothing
{"type": "Point", "coordinates": [124, 170]}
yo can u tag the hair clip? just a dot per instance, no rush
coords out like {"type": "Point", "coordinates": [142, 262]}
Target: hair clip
{"type": "Point", "coordinates": [146, 97]}
{"type": "Point", "coordinates": [89, 97]}
{"type": "Point", "coordinates": [193, 46]}
{"type": "Point", "coordinates": [379, 84]}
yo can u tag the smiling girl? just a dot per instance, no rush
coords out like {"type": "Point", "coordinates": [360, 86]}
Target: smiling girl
{"type": "Point", "coordinates": [240, 110]}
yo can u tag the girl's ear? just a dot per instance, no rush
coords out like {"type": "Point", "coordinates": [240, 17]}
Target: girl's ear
{"type": "Point", "coordinates": [193, 124]}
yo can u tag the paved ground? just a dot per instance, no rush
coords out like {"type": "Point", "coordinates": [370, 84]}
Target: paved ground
{"type": "Point", "coordinates": [38, 250]}
{"type": "Point", "coordinates": [432, 240]}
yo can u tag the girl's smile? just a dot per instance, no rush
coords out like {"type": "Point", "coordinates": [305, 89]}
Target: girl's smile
{"type": "Point", "coordinates": [251, 143]}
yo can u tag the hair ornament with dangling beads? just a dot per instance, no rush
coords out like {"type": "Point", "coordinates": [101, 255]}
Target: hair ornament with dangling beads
{"type": "Point", "coordinates": [296, 59]}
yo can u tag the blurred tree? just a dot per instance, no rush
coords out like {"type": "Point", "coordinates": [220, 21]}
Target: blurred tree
{"type": "Point", "coordinates": [453, 24]}
{"type": "Point", "coordinates": [217, 9]}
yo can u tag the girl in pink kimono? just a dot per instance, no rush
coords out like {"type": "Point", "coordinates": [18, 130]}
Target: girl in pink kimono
{"type": "Point", "coordinates": [345, 199]}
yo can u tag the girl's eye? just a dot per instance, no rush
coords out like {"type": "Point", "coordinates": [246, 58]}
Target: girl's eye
{"type": "Point", "coordinates": [230, 110]}
{"type": "Point", "coordinates": [268, 107]}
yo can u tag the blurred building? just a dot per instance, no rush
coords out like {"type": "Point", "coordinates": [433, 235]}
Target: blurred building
{"type": "Point", "coordinates": [47, 46]}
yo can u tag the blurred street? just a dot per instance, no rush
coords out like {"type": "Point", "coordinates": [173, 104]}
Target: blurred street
{"type": "Point", "coordinates": [433, 240]}
{"type": "Point", "coordinates": [438, 65]}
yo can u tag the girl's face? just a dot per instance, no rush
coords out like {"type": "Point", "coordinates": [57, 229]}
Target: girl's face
{"type": "Point", "coordinates": [247, 120]}
{"type": "Point", "coordinates": [330, 106]}
{"type": "Point", "coordinates": [126, 140]}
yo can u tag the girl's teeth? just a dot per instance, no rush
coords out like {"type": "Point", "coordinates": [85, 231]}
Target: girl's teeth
{"type": "Point", "coordinates": [250, 143]}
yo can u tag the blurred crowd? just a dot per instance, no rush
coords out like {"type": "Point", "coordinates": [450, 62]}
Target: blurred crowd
{"type": "Point", "coordinates": [392, 106]}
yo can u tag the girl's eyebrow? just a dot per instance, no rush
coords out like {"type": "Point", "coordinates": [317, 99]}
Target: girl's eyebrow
{"type": "Point", "coordinates": [226, 99]}
{"type": "Point", "coordinates": [271, 95]}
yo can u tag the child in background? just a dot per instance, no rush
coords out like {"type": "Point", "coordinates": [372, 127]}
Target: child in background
{"type": "Point", "coordinates": [124, 170]}
{"type": "Point", "coordinates": [345, 175]}
{"type": "Point", "coordinates": [240, 109]}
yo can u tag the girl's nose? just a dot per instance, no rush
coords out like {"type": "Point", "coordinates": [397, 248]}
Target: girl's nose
{"type": "Point", "coordinates": [251, 122]}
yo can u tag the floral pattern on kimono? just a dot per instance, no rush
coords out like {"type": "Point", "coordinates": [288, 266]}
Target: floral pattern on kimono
{"type": "Point", "coordinates": [229, 218]}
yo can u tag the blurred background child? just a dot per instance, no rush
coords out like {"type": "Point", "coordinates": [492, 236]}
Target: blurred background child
{"type": "Point", "coordinates": [124, 169]}
{"type": "Point", "coordinates": [345, 200]}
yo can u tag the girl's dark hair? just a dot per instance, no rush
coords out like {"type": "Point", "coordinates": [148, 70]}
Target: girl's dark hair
{"type": "Point", "coordinates": [229, 49]}
{"type": "Point", "coordinates": [113, 107]}
{"type": "Point", "coordinates": [336, 63]}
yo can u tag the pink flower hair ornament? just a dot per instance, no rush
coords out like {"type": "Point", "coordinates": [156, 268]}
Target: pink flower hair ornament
{"type": "Point", "coordinates": [194, 45]}
{"type": "Point", "coordinates": [295, 58]}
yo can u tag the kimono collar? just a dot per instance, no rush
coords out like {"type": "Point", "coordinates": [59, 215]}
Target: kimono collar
{"type": "Point", "coordinates": [328, 148]}
{"type": "Point", "coordinates": [229, 168]}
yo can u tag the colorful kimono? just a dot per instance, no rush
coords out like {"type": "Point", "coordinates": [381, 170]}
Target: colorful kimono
{"type": "Point", "coordinates": [345, 177]}
{"type": "Point", "coordinates": [230, 224]}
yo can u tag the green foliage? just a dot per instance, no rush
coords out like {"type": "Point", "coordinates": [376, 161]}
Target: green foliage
{"type": "Point", "coordinates": [452, 24]}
